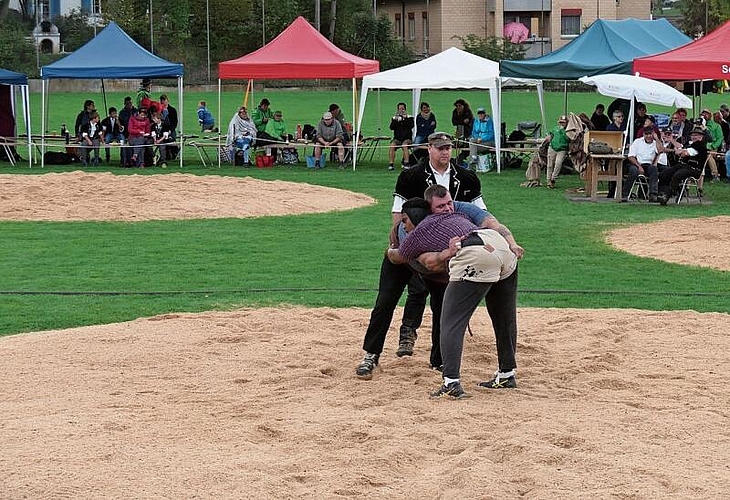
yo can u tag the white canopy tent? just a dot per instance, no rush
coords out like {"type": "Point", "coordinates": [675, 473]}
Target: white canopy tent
{"type": "Point", "coordinates": [450, 69]}
{"type": "Point", "coordinates": [637, 88]}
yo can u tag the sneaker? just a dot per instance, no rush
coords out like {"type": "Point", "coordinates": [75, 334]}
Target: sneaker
{"type": "Point", "coordinates": [439, 368]}
{"type": "Point", "coordinates": [452, 390]}
{"type": "Point", "coordinates": [368, 365]}
{"type": "Point", "coordinates": [391, 167]}
{"type": "Point", "coordinates": [551, 184]}
{"type": "Point", "coordinates": [662, 199]}
{"type": "Point", "coordinates": [715, 178]}
{"type": "Point", "coordinates": [653, 198]}
{"type": "Point", "coordinates": [163, 165]}
{"type": "Point", "coordinates": [499, 383]}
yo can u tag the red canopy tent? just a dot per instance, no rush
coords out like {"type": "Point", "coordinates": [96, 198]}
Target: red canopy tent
{"type": "Point", "coordinates": [703, 59]}
{"type": "Point", "coordinates": [300, 52]}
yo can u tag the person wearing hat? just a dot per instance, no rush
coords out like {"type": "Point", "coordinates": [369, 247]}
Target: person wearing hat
{"type": "Point", "coordinates": [143, 94]}
{"type": "Point", "coordinates": [329, 135]}
{"type": "Point", "coordinates": [557, 150]}
{"type": "Point", "coordinates": [481, 265]}
{"type": "Point", "coordinates": [714, 141]}
{"type": "Point", "coordinates": [463, 185]}
{"type": "Point", "coordinates": [643, 158]}
{"type": "Point", "coordinates": [691, 162]}
{"type": "Point", "coordinates": [482, 135]}
{"type": "Point", "coordinates": [402, 126]}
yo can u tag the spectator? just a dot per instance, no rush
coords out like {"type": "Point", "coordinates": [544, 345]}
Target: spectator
{"type": "Point", "coordinates": [425, 124]}
{"type": "Point", "coordinates": [261, 115]}
{"type": "Point", "coordinates": [329, 135]}
{"type": "Point", "coordinates": [143, 94]}
{"type": "Point", "coordinates": [139, 134]}
{"type": "Point", "coordinates": [84, 117]}
{"type": "Point", "coordinates": [128, 111]}
{"type": "Point", "coordinates": [276, 129]}
{"type": "Point", "coordinates": [599, 120]}
{"type": "Point", "coordinates": [402, 126]}
{"type": "Point", "coordinates": [482, 135]}
{"type": "Point", "coordinates": [91, 134]}
{"type": "Point", "coordinates": [205, 118]}
{"type": "Point", "coordinates": [338, 115]}
{"type": "Point", "coordinates": [714, 142]}
{"type": "Point", "coordinates": [642, 160]}
{"type": "Point", "coordinates": [241, 135]}
{"type": "Point", "coordinates": [113, 130]}
{"type": "Point", "coordinates": [618, 124]}
{"type": "Point", "coordinates": [690, 162]}
{"type": "Point", "coordinates": [169, 115]}
{"type": "Point", "coordinates": [557, 150]}
{"type": "Point", "coordinates": [161, 137]}
{"type": "Point", "coordinates": [462, 118]}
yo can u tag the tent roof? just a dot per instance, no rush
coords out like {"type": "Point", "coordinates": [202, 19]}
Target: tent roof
{"type": "Point", "coordinates": [299, 52]}
{"type": "Point", "coordinates": [12, 78]}
{"type": "Point", "coordinates": [605, 47]}
{"type": "Point", "coordinates": [451, 69]}
{"type": "Point", "coordinates": [708, 57]}
{"type": "Point", "coordinates": [96, 59]}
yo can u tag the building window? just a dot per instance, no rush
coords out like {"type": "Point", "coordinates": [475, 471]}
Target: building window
{"type": "Point", "coordinates": [398, 25]}
{"type": "Point", "coordinates": [411, 26]}
{"type": "Point", "coordinates": [570, 22]}
{"type": "Point", "coordinates": [424, 19]}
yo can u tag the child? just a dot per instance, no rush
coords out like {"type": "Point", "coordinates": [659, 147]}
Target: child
{"type": "Point", "coordinates": [160, 132]}
{"type": "Point", "coordinates": [205, 118]}
{"type": "Point", "coordinates": [91, 134]}
{"type": "Point", "coordinates": [113, 130]}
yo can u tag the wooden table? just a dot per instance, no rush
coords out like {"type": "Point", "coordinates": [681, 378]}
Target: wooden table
{"type": "Point", "coordinates": [604, 168]}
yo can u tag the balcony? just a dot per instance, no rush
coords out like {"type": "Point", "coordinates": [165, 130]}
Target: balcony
{"type": "Point", "coordinates": [527, 5]}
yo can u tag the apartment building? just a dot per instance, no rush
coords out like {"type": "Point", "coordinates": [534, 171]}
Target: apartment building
{"type": "Point", "coordinates": [428, 26]}
{"type": "Point", "coordinates": [48, 9]}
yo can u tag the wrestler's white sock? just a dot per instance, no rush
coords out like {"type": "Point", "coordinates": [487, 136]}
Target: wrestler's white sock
{"type": "Point", "coordinates": [448, 380]}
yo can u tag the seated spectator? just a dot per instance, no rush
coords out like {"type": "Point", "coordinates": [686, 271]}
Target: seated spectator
{"type": "Point", "coordinates": [276, 129]}
{"type": "Point", "coordinates": [667, 157]}
{"type": "Point", "coordinates": [161, 137]}
{"type": "Point", "coordinates": [649, 121]}
{"type": "Point", "coordinates": [640, 115]}
{"type": "Point", "coordinates": [482, 134]}
{"type": "Point", "coordinates": [462, 118]}
{"type": "Point", "coordinates": [425, 124]}
{"type": "Point", "coordinates": [557, 150]}
{"type": "Point", "coordinates": [169, 115]}
{"type": "Point", "coordinates": [642, 160]}
{"type": "Point", "coordinates": [338, 115]}
{"type": "Point", "coordinates": [113, 130]}
{"type": "Point", "coordinates": [402, 126]}
{"type": "Point", "coordinates": [91, 136]}
{"type": "Point", "coordinates": [128, 111]}
{"type": "Point", "coordinates": [599, 119]}
{"type": "Point", "coordinates": [241, 135]}
{"type": "Point", "coordinates": [84, 117]}
{"type": "Point", "coordinates": [618, 124]}
{"type": "Point", "coordinates": [714, 142]}
{"type": "Point", "coordinates": [139, 134]}
{"type": "Point", "coordinates": [205, 119]}
{"type": "Point", "coordinates": [261, 115]}
{"type": "Point", "coordinates": [329, 135]}
{"type": "Point", "coordinates": [690, 162]}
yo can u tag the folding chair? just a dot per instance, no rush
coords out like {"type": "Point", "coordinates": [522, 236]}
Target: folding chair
{"type": "Point", "coordinates": [530, 129]}
{"type": "Point", "coordinates": [640, 188]}
{"type": "Point", "coordinates": [693, 183]}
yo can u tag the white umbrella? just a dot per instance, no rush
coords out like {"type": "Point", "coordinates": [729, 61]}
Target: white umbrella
{"type": "Point", "coordinates": [642, 89]}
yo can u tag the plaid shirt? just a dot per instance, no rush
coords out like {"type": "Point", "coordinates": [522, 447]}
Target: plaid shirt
{"type": "Point", "coordinates": [433, 234]}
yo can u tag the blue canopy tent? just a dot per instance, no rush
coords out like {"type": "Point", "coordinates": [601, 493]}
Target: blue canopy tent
{"type": "Point", "coordinates": [605, 47]}
{"type": "Point", "coordinates": [112, 54]}
{"type": "Point", "coordinates": [9, 83]}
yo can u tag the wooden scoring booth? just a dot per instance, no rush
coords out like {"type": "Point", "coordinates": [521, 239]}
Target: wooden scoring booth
{"type": "Point", "coordinates": [604, 167]}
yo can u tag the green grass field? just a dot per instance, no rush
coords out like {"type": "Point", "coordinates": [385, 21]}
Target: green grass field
{"type": "Point", "coordinates": [57, 275]}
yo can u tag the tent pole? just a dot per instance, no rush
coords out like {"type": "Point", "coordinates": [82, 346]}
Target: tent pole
{"type": "Point", "coordinates": [181, 108]}
{"type": "Point", "coordinates": [103, 94]}
{"type": "Point", "coordinates": [565, 97]}
{"type": "Point", "coordinates": [43, 122]}
{"type": "Point", "coordinates": [353, 140]}
{"type": "Point", "coordinates": [220, 122]}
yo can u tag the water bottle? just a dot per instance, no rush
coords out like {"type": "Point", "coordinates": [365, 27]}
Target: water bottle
{"type": "Point", "coordinates": [299, 132]}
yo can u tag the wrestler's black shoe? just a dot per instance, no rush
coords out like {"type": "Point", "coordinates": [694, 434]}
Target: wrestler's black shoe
{"type": "Point", "coordinates": [407, 341]}
{"type": "Point", "coordinates": [499, 383]}
{"type": "Point", "coordinates": [453, 390]}
{"type": "Point", "coordinates": [368, 365]}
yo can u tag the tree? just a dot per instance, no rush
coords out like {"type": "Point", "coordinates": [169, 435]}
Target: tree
{"type": "Point", "coordinates": [696, 14]}
{"type": "Point", "coordinates": [74, 29]}
{"type": "Point", "coordinates": [492, 47]}
{"type": "Point", "coordinates": [16, 52]}
{"type": "Point", "coordinates": [365, 36]}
